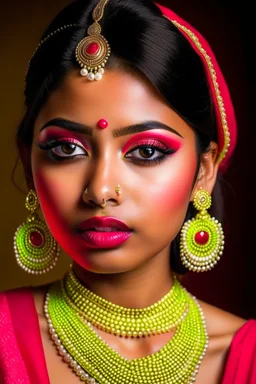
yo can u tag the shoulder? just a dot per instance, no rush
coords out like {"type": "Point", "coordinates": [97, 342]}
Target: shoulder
{"type": "Point", "coordinates": [220, 323]}
{"type": "Point", "coordinates": [241, 359]}
{"type": "Point", "coordinates": [222, 327]}
{"type": "Point", "coordinates": [232, 344]}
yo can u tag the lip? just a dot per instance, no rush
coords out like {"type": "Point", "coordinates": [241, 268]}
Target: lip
{"type": "Point", "coordinates": [111, 232]}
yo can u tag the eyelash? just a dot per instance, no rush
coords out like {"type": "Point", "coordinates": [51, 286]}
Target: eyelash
{"type": "Point", "coordinates": [51, 144]}
{"type": "Point", "coordinates": [153, 144]}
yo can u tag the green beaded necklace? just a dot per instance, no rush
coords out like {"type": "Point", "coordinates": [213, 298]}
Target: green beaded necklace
{"type": "Point", "coordinates": [127, 322]}
{"type": "Point", "coordinates": [96, 363]}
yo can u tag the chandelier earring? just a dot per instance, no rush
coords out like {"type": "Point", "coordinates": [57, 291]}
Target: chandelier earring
{"type": "Point", "coordinates": [35, 248]}
{"type": "Point", "coordinates": [202, 238]}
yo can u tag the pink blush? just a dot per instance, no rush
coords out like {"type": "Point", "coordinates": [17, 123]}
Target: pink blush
{"type": "Point", "coordinates": [167, 141]}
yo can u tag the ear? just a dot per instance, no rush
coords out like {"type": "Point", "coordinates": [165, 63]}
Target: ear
{"type": "Point", "coordinates": [208, 170]}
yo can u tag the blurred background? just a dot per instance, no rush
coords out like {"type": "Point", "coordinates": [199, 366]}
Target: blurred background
{"type": "Point", "coordinates": [228, 27]}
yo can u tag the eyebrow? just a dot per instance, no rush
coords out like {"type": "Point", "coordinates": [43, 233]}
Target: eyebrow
{"type": "Point", "coordinates": [86, 130]}
{"type": "Point", "coordinates": [142, 127]}
{"type": "Point", "coordinates": [69, 125]}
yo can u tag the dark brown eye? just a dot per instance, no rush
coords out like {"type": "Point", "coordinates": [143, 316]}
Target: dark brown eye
{"type": "Point", "coordinates": [68, 148]}
{"type": "Point", "coordinates": [147, 152]}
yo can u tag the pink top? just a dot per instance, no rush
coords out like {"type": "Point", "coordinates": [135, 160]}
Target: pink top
{"type": "Point", "coordinates": [22, 359]}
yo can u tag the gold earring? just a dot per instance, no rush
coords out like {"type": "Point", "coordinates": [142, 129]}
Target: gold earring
{"type": "Point", "coordinates": [35, 248]}
{"type": "Point", "coordinates": [202, 238]}
{"type": "Point", "coordinates": [118, 190]}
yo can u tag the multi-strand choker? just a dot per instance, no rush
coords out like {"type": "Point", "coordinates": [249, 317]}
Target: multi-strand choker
{"type": "Point", "coordinates": [126, 322]}
{"type": "Point", "coordinates": [72, 311]}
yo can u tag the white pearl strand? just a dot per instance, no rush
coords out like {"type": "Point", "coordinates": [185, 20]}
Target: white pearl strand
{"type": "Point", "coordinates": [67, 358]}
{"type": "Point", "coordinates": [194, 374]}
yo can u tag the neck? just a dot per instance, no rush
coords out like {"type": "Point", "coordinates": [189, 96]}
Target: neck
{"type": "Point", "coordinates": [139, 288]}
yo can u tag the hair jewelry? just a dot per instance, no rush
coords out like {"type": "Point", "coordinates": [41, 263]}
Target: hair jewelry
{"type": "Point", "coordinates": [93, 51]}
{"type": "Point", "coordinates": [35, 248]}
{"type": "Point", "coordinates": [202, 238]}
{"type": "Point", "coordinates": [61, 29]}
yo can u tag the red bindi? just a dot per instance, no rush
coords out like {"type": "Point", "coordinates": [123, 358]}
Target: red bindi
{"type": "Point", "coordinates": [102, 124]}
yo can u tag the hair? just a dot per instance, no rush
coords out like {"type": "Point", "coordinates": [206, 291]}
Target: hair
{"type": "Point", "coordinates": [142, 41]}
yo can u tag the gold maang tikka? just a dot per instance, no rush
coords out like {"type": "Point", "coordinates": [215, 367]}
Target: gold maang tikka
{"type": "Point", "coordinates": [93, 51]}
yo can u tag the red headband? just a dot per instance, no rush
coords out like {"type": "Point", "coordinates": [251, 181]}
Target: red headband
{"type": "Point", "coordinates": [226, 121]}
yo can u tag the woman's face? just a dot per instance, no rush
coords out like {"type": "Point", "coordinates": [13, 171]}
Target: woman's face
{"type": "Point", "coordinates": [147, 149]}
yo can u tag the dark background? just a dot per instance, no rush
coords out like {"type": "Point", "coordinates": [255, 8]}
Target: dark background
{"type": "Point", "coordinates": [229, 28]}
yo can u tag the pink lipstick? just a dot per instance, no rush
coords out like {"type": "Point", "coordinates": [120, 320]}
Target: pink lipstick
{"type": "Point", "coordinates": [104, 232]}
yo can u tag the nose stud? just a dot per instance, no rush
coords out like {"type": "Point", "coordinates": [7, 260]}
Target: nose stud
{"type": "Point", "coordinates": [118, 190]}
{"type": "Point", "coordinates": [104, 203]}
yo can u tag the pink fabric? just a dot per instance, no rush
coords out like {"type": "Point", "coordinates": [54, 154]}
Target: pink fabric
{"type": "Point", "coordinates": [224, 91]}
{"type": "Point", "coordinates": [22, 359]}
{"type": "Point", "coordinates": [241, 363]}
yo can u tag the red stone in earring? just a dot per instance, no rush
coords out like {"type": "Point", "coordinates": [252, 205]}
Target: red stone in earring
{"type": "Point", "coordinates": [102, 124]}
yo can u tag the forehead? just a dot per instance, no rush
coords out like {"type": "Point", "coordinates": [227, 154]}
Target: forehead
{"type": "Point", "coordinates": [121, 97]}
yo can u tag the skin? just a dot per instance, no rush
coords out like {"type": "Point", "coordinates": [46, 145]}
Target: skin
{"type": "Point", "coordinates": [153, 203]}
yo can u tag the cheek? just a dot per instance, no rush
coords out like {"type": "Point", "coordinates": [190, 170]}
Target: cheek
{"type": "Point", "coordinates": [176, 194]}
{"type": "Point", "coordinates": [57, 196]}
{"type": "Point", "coordinates": [58, 201]}
{"type": "Point", "coordinates": [50, 194]}
{"type": "Point", "coordinates": [173, 189]}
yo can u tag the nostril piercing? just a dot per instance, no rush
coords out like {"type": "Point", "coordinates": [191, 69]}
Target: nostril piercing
{"type": "Point", "coordinates": [118, 190]}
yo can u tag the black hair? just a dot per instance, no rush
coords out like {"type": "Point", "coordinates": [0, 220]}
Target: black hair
{"type": "Point", "coordinates": [142, 41]}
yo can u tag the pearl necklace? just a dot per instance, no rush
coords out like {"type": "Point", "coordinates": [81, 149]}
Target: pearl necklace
{"type": "Point", "coordinates": [95, 362]}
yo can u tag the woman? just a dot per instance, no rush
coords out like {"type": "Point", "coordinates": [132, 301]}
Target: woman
{"type": "Point", "coordinates": [125, 133]}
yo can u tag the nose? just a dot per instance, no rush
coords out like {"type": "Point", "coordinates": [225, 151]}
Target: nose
{"type": "Point", "coordinates": [103, 184]}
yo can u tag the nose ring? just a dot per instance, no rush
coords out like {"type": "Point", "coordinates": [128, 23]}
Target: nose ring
{"type": "Point", "coordinates": [103, 204]}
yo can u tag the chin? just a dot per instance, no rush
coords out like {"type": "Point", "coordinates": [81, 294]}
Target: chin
{"type": "Point", "coordinates": [104, 262]}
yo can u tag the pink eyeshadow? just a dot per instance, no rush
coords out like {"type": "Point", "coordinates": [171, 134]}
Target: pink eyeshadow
{"type": "Point", "coordinates": [170, 142]}
{"type": "Point", "coordinates": [62, 134]}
